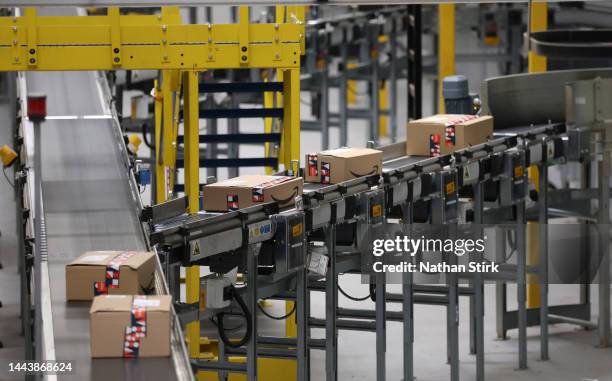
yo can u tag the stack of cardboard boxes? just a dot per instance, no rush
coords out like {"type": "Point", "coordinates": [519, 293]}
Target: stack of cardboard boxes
{"type": "Point", "coordinates": [124, 321]}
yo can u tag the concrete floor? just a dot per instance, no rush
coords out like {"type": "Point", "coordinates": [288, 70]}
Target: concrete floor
{"type": "Point", "coordinates": [10, 321]}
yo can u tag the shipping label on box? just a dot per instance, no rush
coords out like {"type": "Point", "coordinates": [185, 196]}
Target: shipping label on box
{"type": "Point", "coordinates": [248, 190]}
{"type": "Point", "coordinates": [109, 272]}
{"type": "Point", "coordinates": [130, 326]}
{"type": "Point", "coordinates": [342, 164]}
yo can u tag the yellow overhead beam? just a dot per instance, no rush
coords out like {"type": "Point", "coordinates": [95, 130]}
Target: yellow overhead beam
{"type": "Point", "coordinates": [130, 42]}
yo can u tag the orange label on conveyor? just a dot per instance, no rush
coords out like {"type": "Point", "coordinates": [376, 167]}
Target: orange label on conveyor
{"type": "Point", "coordinates": [112, 274]}
{"type": "Point", "coordinates": [376, 210]}
{"type": "Point", "coordinates": [518, 171]}
{"type": "Point", "coordinates": [450, 187]}
{"type": "Point", "coordinates": [297, 230]}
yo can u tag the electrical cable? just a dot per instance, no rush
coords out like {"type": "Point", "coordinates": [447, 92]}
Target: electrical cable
{"type": "Point", "coordinates": [354, 298]}
{"type": "Point", "coordinates": [7, 178]}
{"type": "Point", "coordinates": [247, 315]}
{"type": "Point", "coordinates": [284, 317]}
{"type": "Point", "coordinates": [149, 144]}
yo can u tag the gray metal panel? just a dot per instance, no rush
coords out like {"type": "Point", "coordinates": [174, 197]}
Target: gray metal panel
{"type": "Point", "coordinates": [537, 98]}
{"type": "Point", "coordinates": [88, 206]}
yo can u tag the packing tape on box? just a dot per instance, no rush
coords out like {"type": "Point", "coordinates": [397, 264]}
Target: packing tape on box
{"type": "Point", "coordinates": [312, 164]}
{"type": "Point", "coordinates": [137, 330]}
{"type": "Point", "coordinates": [325, 173]}
{"type": "Point", "coordinates": [449, 134]}
{"type": "Point", "coordinates": [232, 202]}
{"type": "Point", "coordinates": [112, 274]}
{"type": "Point", "coordinates": [434, 145]}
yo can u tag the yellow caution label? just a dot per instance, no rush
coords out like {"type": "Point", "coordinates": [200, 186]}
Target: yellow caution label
{"type": "Point", "coordinates": [450, 187]}
{"type": "Point", "coordinates": [519, 171]}
{"type": "Point", "coordinates": [297, 230]}
{"type": "Point", "coordinates": [376, 210]}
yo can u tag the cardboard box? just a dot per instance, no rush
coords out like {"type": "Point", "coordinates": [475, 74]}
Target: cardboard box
{"type": "Point", "coordinates": [109, 272]}
{"type": "Point", "coordinates": [130, 326]}
{"type": "Point", "coordinates": [248, 190]}
{"type": "Point", "coordinates": [443, 134]}
{"type": "Point", "coordinates": [338, 165]}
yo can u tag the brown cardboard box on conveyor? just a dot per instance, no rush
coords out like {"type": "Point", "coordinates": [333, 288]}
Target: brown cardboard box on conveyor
{"type": "Point", "coordinates": [130, 326]}
{"type": "Point", "coordinates": [248, 190]}
{"type": "Point", "coordinates": [445, 133]}
{"type": "Point", "coordinates": [109, 272]}
{"type": "Point", "coordinates": [342, 164]}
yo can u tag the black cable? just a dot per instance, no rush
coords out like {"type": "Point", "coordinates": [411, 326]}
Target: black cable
{"type": "Point", "coordinates": [228, 329]}
{"type": "Point", "coordinates": [284, 317]}
{"type": "Point", "coordinates": [145, 127]}
{"type": "Point", "coordinates": [247, 316]}
{"type": "Point", "coordinates": [7, 178]}
{"type": "Point", "coordinates": [356, 299]}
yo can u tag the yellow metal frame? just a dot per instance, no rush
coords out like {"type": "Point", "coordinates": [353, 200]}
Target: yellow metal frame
{"type": "Point", "coordinates": [446, 47]}
{"type": "Point", "coordinates": [129, 42]}
{"type": "Point", "coordinates": [538, 20]}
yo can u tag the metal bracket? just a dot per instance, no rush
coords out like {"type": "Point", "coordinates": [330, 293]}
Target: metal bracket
{"type": "Point", "coordinates": [243, 35]}
{"type": "Point", "coordinates": [187, 313]}
{"type": "Point", "coordinates": [30, 16]}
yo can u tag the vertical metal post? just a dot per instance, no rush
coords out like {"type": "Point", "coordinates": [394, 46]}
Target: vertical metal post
{"type": "Point", "coordinates": [521, 291]}
{"type": "Point", "coordinates": [324, 102]}
{"type": "Point", "coordinates": [374, 84]}
{"type": "Point", "coordinates": [302, 314]}
{"type": "Point", "coordinates": [543, 221]}
{"type": "Point", "coordinates": [252, 254]}
{"type": "Point", "coordinates": [415, 62]}
{"type": "Point", "coordinates": [393, 80]}
{"type": "Point", "coordinates": [233, 127]}
{"type": "Point", "coordinates": [331, 308]}
{"type": "Point", "coordinates": [407, 304]}
{"type": "Point", "coordinates": [479, 287]}
{"type": "Point", "coordinates": [453, 312]}
{"type": "Point", "coordinates": [446, 47]}
{"type": "Point", "coordinates": [604, 247]}
{"type": "Point", "coordinates": [291, 116]}
{"type": "Point", "coordinates": [343, 88]}
{"type": "Point", "coordinates": [192, 190]}
{"type": "Point", "coordinates": [381, 331]}
{"type": "Point", "coordinates": [500, 285]}
{"type": "Point", "coordinates": [38, 243]}
{"type": "Point", "coordinates": [211, 128]}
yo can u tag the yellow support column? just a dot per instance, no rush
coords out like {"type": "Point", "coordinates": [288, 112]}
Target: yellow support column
{"type": "Point", "coordinates": [160, 176]}
{"type": "Point", "coordinates": [268, 100]}
{"type": "Point", "coordinates": [192, 191]}
{"type": "Point", "coordinates": [291, 116]}
{"type": "Point", "coordinates": [383, 104]}
{"type": "Point", "coordinates": [446, 47]}
{"type": "Point", "coordinates": [538, 20]}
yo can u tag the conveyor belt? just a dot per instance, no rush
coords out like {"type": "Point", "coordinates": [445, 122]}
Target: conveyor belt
{"type": "Point", "coordinates": [89, 205]}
